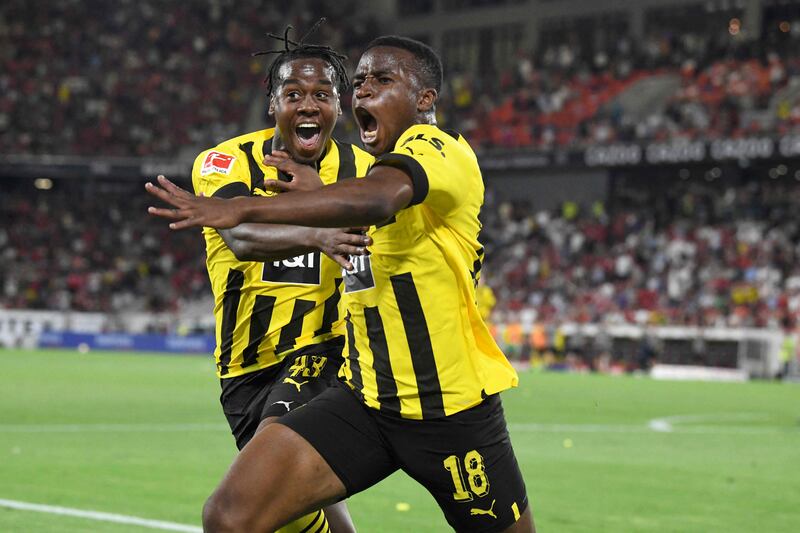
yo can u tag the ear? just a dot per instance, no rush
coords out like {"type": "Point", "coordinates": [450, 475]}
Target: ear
{"type": "Point", "coordinates": [271, 108]}
{"type": "Point", "coordinates": [426, 100]}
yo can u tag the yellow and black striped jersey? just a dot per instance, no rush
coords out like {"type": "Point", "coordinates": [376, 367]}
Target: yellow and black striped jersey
{"type": "Point", "coordinates": [266, 310]}
{"type": "Point", "coordinates": [416, 344]}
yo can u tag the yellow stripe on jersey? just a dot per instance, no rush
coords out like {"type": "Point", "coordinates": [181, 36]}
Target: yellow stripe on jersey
{"type": "Point", "coordinates": [266, 310]}
{"type": "Point", "coordinates": [416, 344]}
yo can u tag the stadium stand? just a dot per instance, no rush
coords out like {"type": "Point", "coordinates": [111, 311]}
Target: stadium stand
{"type": "Point", "coordinates": [139, 81]}
{"type": "Point", "coordinates": [695, 255]}
{"type": "Point", "coordinates": [108, 256]}
{"type": "Point", "coordinates": [706, 255]}
{"type": "Point", "coordinates": [667, 86]}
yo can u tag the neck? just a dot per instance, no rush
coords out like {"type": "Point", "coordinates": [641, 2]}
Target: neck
{"type": "Point", "coordinates": [277, 140]}
{"type": "Point", "coordinates": [428, 117]}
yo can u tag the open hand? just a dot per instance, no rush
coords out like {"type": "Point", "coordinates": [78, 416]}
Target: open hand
{"type": "Point", "coordinates": [304, 177]}
{"type": "Point", "coordinates": [340, 244]}
{"type": "Point", "coordinates": [190, 210]}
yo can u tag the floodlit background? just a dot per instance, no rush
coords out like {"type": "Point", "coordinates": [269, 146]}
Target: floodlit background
{"type": "Point", "coordinates": [642, 169]}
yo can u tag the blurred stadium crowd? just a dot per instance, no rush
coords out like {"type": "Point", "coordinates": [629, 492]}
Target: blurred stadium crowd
{"type": "Point", "coordinates": [55, 257]}
{"type": "Point", "coordinates": [141, 80]}
{"type": "Point", "coordinates": [697, 256]}
{"type": "Point", "coordinates": [151, 85]}
{"type": "Point", "coordinates": [572, 93]}
{"type": "Point", "coordinates": [144, 78]}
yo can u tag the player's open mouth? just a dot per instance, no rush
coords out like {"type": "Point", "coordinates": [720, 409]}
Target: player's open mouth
{"type": "Point", "coordinates": [367, 124]}
{"type": "Point", "coordinates": [308, 134]}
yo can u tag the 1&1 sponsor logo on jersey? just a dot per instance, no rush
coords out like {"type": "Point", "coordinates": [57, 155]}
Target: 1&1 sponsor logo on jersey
{"type": "Point", "coordinates": [360, 278]}
{"type": "Point", "coordinates": [300, 270]}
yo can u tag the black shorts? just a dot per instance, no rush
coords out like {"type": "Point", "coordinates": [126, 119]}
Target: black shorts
{"type": "Point", "coordinates": [465, 460]}
{"type": "Point", "coordinates": [274, 391]}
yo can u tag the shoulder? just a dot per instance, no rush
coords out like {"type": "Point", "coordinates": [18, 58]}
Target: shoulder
{"type": "Point", "coordinates": [350, 160]}
{"type": "Point", "coordinates": [232, 148]}
{"type": "Point", "coordinates": [361, 155]}
{"type": "Point", "coordinates": [360, 152]}
{"type": "Point", "coordinates": [222, 156]}
{"type": "Point", "coordinates": [435, 137]}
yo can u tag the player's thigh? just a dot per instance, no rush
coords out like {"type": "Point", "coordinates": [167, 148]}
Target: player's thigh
{"type": "Point", "coordinates": [243, 398]}
{"type": "Point", "coordinates": [300, 379]}
{"type": "Point", "coordinates": [345, 433]}
{"type": "Point", "coordinates": [467, 463]}
{"type": "Point", "coordinates": [277, 477]}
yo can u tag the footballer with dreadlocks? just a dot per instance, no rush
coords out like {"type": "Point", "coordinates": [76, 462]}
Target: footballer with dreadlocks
{"type": "Point", "coordinates": [278, 329]}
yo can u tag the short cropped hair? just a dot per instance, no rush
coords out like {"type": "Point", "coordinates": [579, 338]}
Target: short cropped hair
{"type": "Point", "coordinates": [429, 65]}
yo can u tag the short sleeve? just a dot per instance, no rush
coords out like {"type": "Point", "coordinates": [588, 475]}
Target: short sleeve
{"type": "Point", "coordinates": [219, 173]}
{"type": "Point", "coordinates": [435, 162]}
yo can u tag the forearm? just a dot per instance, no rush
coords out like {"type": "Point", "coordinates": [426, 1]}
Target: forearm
{"type": "Point", "coordinates": [269, 242]}
{"type": "Point", "coordinates": [357, 202]}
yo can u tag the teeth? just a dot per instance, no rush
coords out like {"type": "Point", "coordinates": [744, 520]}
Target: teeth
{"type": "Point", "coordinates": [307, 126]}
{"type": "Point", "coordinates": [370, 135]}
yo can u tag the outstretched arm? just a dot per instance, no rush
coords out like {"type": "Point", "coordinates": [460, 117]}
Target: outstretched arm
{"type": "Point", "coordinates": [275, 242]}
{"type": "Point", "coordinates": [363, 202]}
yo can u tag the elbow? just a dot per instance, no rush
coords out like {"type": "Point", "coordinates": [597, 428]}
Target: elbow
{"type": "Point", "coordinates": [243, 251]}
{"type": "Point", "coordinates": [380, 210]}
{"type": "Point", "coordinates": [237, 242]}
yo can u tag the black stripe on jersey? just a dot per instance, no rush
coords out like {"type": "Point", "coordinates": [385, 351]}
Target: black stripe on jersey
{"type": "Point", "coordinates": [256, 174]}
{"type": "Point", "coordinates": [314, 522]}
{"type": "Point", "coordinates": [355, 367]}
{"type": "Point", "coordinates": [292, 330]}
{"type": "Point", "coordinates": [331, 312]}
{"type": "Point", "coordinates": [477, 265]}
{"type": "Point", "coordinates": [409, 165]}
{"type": "Point", "coordinates": [347, 161]}
{"type": "Point", "coordinates": [323, 528]}
{"type": "Point", "coordinates": [232, 190]}
{"type": "Point", "coordinates": [266, 149]}
{"type": "Point", "coordinates": [259, 324]}
{"type": "Point", "coordinates": [387, 386]}
{"type": "Point", "coordinates": [452, 133]}
{"type": "Point", "coordinates": [230, 309]}
{"type": "Point", "coordinates": [419, 345]}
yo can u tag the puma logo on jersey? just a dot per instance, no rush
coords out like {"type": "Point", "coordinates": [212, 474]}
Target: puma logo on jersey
{"type": "Point", "coordinates": [290, 381]}
{"type": "Point", "coordinates": [285, 404]}
{"type": "Point", "coordinates": [489, 511]}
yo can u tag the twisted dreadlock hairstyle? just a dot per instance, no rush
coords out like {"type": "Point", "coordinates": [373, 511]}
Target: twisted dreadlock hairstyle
{"type": "Point", "coordinates": [298, 49]}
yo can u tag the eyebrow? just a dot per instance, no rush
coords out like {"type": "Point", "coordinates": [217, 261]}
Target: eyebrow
{"type": "Point", "coordinates": [374, 74]}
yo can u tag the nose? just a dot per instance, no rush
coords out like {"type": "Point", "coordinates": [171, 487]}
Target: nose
{"type": "Point", "coordinates": [308, 105]}
{"type": "Point", "coordinates": [365, 90]}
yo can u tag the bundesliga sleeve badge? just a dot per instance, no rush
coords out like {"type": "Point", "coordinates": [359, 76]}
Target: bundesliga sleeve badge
{"type": "Point", "coordinates": [217, 162]}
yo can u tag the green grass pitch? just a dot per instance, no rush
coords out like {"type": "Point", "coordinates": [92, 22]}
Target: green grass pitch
{"type": "Point", "coordinates": [143, 435]}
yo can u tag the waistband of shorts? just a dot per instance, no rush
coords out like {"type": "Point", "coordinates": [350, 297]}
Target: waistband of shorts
{"type": "Point", "coordinates": [330, 348]}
